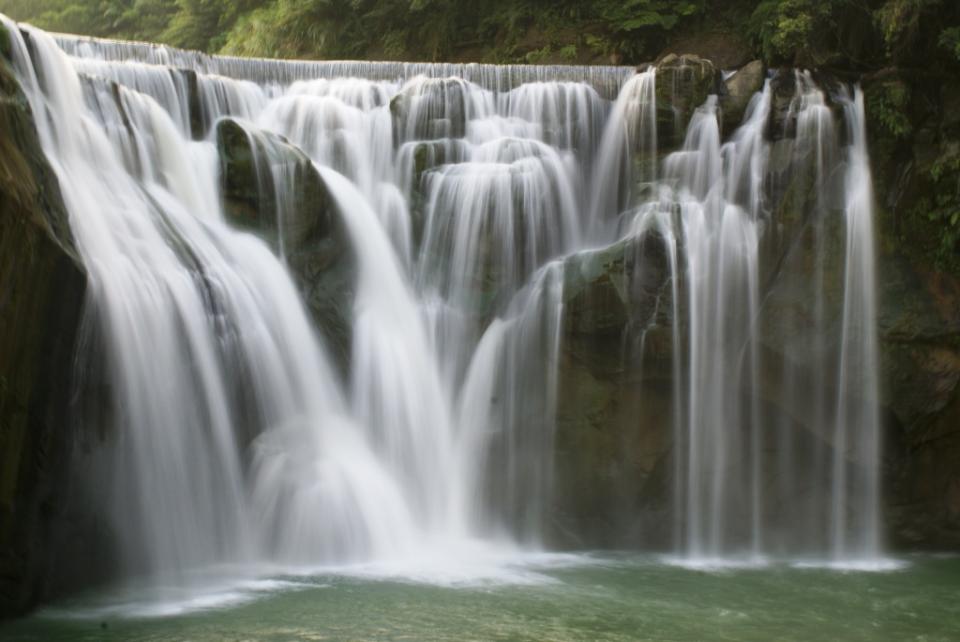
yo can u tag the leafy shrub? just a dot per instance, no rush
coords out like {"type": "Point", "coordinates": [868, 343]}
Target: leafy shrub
{"type": "Point", "coordinates": [790, 30]}
{"type": "Point", "coordinates": [950, 40]}
{"type": "Point", "coordinates": [941, 209]}
{"type": "Point", "coordinates": [887, 107]}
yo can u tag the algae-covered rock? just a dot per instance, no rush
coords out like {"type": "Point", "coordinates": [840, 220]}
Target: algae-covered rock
{"type": "Point", "coordinates": [683, 84]}
{"type": "Point", "coordinates": [783, 120]}
{"type": "Point", "coordinates": [914, 141]}
{"type": "Point", "coordinates": [6, 46]}
{"type": "Point", "coordinates": [607, 289]}
{"type": "Point", "coordinates": [42, 285]}
{"type": "Point", "coordinates": [919, 325]}
{"type": "Point", "coordinates": [249, 198]}
{"type": "Point", "coordinates": [739, 90]}
{"type": "Point", "coordinates": [430, 108]}
{"type": "Point", "coordinates": [199, 123]}
{"type": "Point", "coordinates": [615, 396]}
{"type": "Point", "coordinates": [273, 189]}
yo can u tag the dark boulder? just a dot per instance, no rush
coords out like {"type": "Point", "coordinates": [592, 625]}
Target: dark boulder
{"type": "Point", "coordinates": [271, 188]}
{"type": "Point", "coordinates": [739, 89]}
{"type": "Point", "coordinates": [42, 288]}
{"type": "Point", "coordinates": [683, 84]}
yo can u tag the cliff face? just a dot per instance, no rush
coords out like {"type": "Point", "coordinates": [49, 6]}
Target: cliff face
{"type": "Point", "coordinates": [42, 287]}
{"type": "Point", "coordinates": [615, 442]}
{"type": "Point", "coordinates": [914, 122]}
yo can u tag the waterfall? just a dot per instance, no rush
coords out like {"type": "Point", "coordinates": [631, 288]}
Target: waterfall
{"type": "Point", "coordinates": [713, 206]}
{"type": "Point", "coordinates": [464, 192]}
{"type": "Point", "coordinates": [857, 417]}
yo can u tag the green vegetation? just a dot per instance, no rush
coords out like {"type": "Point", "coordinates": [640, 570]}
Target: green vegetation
{"type": "Point", "coordinates": [866, 33]}
{"type": "Point", "coordinates": [888, 106]}
{"type": "Point", "coordinates": [950, 39]}
{"type": "Point", "coordinates": [412, 29]}
{"type": "Point", "coordinates": [782, 28]}
{"type": "Point", "coordinates": [939, 210]}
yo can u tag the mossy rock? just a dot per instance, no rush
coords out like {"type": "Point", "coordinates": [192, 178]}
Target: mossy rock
{"type": "Point", "coordinates": [198, 118]}
{"type": "Point", "coordinates": [739, 90]}
{"type": "Point", "coordinates": [615, 402]}
{"type": "Point", "coordinates": [607, 290]}
{"type": "Point", "coordinates": [247, 205]}
{"type": "Point", "coordinates": [6, 46]}
{"type": "Point", "coordinates": [683, 84]}
{"type": "Point", "coordinates": [431, 109]}
{"type": "Point", "coordinates": [310, 232]}
{"type": "Point", "coordinates": [43, 286]}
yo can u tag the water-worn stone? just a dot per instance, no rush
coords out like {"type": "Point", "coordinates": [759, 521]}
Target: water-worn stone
{"type": "Point", "coordinates": [614, 400]}
{"type": "Point", "coordinates": [621, 285]}
{"type": "Point", "coordinates": [739, 89]}
{"type": "Point", "coordinates": [42, 285]}
{"type": "Point", "coordinates": [919, 324]}
{"type": "Point", "coordinates": [430, 109]}
{"type": "Point", "coordinates": [309, 230]}
{"type": "Point", "coordinates": [683, 84]}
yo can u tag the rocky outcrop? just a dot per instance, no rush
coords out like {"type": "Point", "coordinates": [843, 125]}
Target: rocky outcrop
{"type": "Point", "coordinates": [429, 109]}
{"type": "Point", "coordinates": [914, 134]}
{"type": "Point", "coordinates": [272, 188]}
{"type": "Point", "coordinates": [683, 84]}
{"type": "Point", "coordinates": [614, 441]}
{"type": "Point", "coordinates": [614, 396]}
{"type": "Point", "coordinates": [920, 334]}
{"type": "Point", "coordinates": [738, 90]}
{"type": "Point", "coordinates": [614, 438]}
{"type": "Point", "coordinates": [42, 285]}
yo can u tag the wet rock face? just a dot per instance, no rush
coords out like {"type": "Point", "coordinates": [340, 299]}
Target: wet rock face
{"type": "Point", "coordinates": [270, 186]}
{"type": "Point", "coordinates": [244, 204]}
{"type": "Point", "coordinates": [683, 84]}
{"type": "Point", "coordinates": [738, 90]}
{"type": "Point", "coordinates": [783, 119]}
{"type": "Point", "coordinates": [42, 287]}
{"type": "Point", "coordinates": [620, 285]}
{"type": "Point", "coordinates": [272, 189]}
{"type": "Point", "coordinates": [614, 427]}
{"type": "Point", "coordinates": [615, 400]}
{"type": "Point", "coordinates": [919, 326]}
{"type": "Point", "coordinates": [430, 109]}
{"type": "Point", "coordinates": [912, 128]}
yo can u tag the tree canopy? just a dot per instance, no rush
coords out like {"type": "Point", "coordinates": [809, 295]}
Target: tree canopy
{"type": "Point", "coordinates": [862, 32]}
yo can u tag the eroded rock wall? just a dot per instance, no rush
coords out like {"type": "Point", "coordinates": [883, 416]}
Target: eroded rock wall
{"type": "Point", "coordinates": [42, 286]}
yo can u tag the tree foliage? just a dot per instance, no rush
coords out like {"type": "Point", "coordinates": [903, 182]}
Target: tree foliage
{"type": "Point", "coordinates": [809, 32]}
{"type": "Point", "coordinates": [424, 29]}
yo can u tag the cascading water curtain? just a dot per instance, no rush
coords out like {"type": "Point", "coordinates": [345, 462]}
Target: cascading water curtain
{"type": "Point", "coordinates": [464, 193]}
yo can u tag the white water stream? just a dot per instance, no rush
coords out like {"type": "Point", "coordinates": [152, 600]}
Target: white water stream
{"type": "Point", "coordinates": [461, 189]}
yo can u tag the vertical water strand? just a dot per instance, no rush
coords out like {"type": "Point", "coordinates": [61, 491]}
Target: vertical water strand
{"type": "Point", "coordinates": [747, 157]}
{"type": "Point", "coordinates": [718, 192]}
{"type": "Point", "coordinates": [397, 392]}
{"type": "Point", "coordinates": [857, 438]}
{"type": "Point", "coordinates": [815, 154]}
{"type": "Point", "coordinates": [532, 358]}
{"type": "Point", "coordinates": [631, 129]}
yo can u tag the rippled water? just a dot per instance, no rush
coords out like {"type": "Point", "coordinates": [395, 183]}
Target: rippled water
{"type": "Point", "coordinates": [544, 597]}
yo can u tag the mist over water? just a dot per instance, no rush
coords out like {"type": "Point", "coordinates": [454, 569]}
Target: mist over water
{"type": "Point", "coordinates": [235, 439]}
